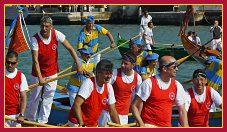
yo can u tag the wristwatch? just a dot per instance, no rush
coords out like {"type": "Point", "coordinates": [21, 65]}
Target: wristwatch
{"type": "Point", "coordinates": [21, 115]}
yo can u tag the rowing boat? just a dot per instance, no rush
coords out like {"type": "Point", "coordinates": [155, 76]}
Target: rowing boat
{"type": "Point", "coordinates": [191, 47]}
{"type": "Point", "coordinates": [59, 110]}
{"type": "Point", "coordinates": [174, 50]}
{"type": "Point", "coordinates": [61, 107]}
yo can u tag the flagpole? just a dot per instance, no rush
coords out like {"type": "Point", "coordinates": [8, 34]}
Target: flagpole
{"type": "Point", "coordinates": [25, 26]}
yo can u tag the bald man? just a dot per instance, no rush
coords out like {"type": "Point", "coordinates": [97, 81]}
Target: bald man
{"type": "Point", "coordinates": [157, 94]}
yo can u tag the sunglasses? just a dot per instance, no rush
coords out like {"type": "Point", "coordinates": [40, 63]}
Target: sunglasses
{"type": "Point", "coordinates": [175, 63]}
{"type": "Point", "coordinates": [174, 67]}
{"type": "Point", "coordinates": [12, 63]}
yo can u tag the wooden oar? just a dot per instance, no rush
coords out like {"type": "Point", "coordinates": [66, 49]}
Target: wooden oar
{"type": "Point", "coordinates": [169, 45]}
{"type": "Point", "coordinates": [53, 79]}
{"type": "Point", "coordinates": [122, 44]}
{"type": "Point", "coordinates": [31, 122]}
{"type": "Point", "coordinates": [130, 115]}
{"type": "Point", "coordinates": [101, 52]}
{"type": "Point", "coordinates": [182, 60]}
{"type": "Point", "coordinates": [118, 125]}
{"type": "Point", "coordinates": [65, 70]}
{"type": "Point", "coordinates": [91, 57]}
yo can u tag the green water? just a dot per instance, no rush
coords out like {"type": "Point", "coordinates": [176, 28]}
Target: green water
{"type": "Point", "coordinates": [162, 35]}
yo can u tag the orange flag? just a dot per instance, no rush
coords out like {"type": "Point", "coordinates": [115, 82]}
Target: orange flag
{"type": "Point", "coordinates": [18, 41]}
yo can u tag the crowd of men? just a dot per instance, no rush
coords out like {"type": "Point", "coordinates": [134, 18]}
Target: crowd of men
{"type": "Point", "coordinates": [100, 94]}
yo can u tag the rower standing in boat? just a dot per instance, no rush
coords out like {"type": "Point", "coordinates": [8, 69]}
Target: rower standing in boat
{"type": "Point", "coordinates": [89, 36]}
{"type": "Point", "coordinates": [199, 99]}
{"type": "Point", "coordinates": [124, 81]}
{"type": "Point", "coordinates": [148, 36]}
{"type": "Point", "coordinates": [216, 42]}
{"type": "Point", "coordinates": [144, 22]}
{"type": "Point", "coordinates": [150, 70]}
{"type": "Point", "coordinates": [15, 91]}
{"type": "Point", "coordinates": [136, 48]}
{"type": "Point", "coordinates": [45, 66]}
{"type": "Point", "coordinates": [158, 95]}
{"type": "Point", "coordinates": [88, 66]}
{"type": "Point", "coordinates": [93, 96]}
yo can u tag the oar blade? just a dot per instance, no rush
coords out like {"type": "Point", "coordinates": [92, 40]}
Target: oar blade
{"type": "Point", "coordinates": [181, 60]}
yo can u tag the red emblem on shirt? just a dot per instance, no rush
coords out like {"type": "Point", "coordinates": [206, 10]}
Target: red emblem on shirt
{"type": "Point", "coordinates": [54, 47]}
{"type": "Point", "coordinates": [104, 101]}
{"type": "Point", "coordinates": [16, 86]}
{"type": "Point", "coordinates": [208, 105]}
{"type": "Point", "coordinates": [133, 88]}
{"type": "Point", "coordinates": [171, 96]}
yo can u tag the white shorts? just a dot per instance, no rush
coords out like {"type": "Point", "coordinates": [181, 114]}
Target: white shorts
{"type": "Point", "coordinates": [9, 123]}
{"type": "Point", "coordinates": [216, 44]}
{"type": "Point", "coordinates": [105, 118]}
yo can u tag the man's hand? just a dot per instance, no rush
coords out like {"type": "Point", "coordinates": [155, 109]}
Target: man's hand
{"type": "Point", "coordinates": [88, 75]}
{"type": "Point", "coordinates": [79, 70]}
{"type": "Point", "coordinates": [112, 45]}
{"type": "Point", "coordinates": [20, 119]}
{"type": "Point", "coordinates": [41, 81]}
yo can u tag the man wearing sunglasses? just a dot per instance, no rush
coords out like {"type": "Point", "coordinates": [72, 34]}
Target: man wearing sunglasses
{"type": "Point", "coordinates": [125, 81]}
{"type": "Point", "coordinates": [75, 80]}
{"type": "Point", "coordinates": [199, 99]}
{"type": "Point", "coordinates": [158, 94]}
{"type": "Point", "coordinates": [15, 91]}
